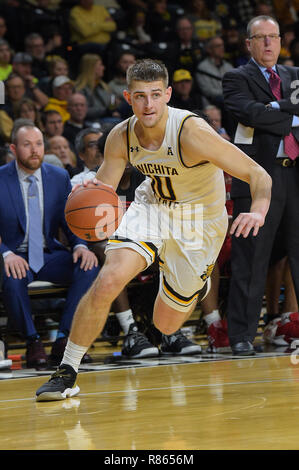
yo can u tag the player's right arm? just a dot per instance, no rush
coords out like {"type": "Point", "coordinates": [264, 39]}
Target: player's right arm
{"type": "Point", "coordinates": [115, 159]}
{"type": "Point", "coordinates": [115, 156]}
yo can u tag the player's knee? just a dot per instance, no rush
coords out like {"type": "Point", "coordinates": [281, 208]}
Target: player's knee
{"type": "Point", "coordinates": [164, 327]}
{"type": "Point", "coordinates": [107, 285]}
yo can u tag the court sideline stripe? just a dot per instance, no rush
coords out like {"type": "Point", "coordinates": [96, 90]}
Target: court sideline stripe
{"type": "Point", "coordinates": [183, 387]}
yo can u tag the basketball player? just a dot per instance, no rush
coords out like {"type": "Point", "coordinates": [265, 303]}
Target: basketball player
{"type": "Point", "coordinates": [178, 214]}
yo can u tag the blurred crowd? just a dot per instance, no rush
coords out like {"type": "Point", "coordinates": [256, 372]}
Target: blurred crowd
{"type": "Point", "coordinates": [64, 62]}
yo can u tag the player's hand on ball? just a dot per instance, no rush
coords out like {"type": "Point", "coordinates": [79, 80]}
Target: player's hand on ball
{"type": "Point", "coordinates": [94, 181]}
{"type": "Point", "coordinates": [87, 183]}
{"type": "Point", "coordinates": [246, 221]}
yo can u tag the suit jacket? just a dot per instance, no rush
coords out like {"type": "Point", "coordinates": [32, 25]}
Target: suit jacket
{"type": "Point", "coordinates": [56, 187]}
{"type": "Point", "coordinates": [246, 92]}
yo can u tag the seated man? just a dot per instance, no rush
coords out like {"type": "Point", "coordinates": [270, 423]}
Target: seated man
{"type": "Point", "coordinates": [31, 213]}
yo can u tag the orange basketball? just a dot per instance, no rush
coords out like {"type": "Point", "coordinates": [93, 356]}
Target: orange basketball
{"type": "Point", "coordinates": [93, 213]}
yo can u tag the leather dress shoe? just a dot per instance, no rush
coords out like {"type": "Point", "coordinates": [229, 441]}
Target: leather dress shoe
{"type": "Point", "coordinates": [36, 356]}
{"type": "Point", "coordinates": [243, 348]}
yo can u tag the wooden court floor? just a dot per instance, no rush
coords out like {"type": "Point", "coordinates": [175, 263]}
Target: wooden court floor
{"type": "Point", "coordinates": [215, 404]}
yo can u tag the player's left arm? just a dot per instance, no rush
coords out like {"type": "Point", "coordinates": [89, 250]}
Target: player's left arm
{"type": "Point", "coordinates": [199, 143]}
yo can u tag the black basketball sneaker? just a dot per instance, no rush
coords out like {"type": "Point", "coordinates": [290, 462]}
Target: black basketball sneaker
{"type": "Point", "coordinates": [61, 385]}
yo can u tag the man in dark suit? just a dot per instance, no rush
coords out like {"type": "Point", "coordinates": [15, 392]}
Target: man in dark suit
{"type": "Point", "coordinates": [32, 201]}
{"type": "Point", "coordinates": [262, 98]}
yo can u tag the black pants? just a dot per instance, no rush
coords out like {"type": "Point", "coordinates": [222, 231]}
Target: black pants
{"type": "Point", "coordinates": [250, 256]}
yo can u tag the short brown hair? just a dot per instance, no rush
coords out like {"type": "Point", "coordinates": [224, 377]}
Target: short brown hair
{"type": "Point", "coordinates": [147, 70]}
{"type": "Point", "coordinates": [20, 124]}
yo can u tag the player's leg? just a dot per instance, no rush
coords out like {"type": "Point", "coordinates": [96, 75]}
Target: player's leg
{"type": "Point", "coordinates": [119, 268]}
{"type": "Point", "coordinates": [186, 267]}
{"type": "Point", "coordinates": [167, 319]}
{"type": "Point", "coordinates": [125, 258]}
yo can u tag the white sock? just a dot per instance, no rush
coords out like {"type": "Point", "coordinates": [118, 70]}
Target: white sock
{"type": "Point", "coordinates": [125, 320]}
{"type": "Point", "coordinates": [73, 354]}
{"type": "Point", "coordinates": [212, 317]}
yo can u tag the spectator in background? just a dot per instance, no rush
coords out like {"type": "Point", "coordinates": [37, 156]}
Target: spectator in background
{"type": "Point", "coordinates": [27, 109]}
{"type": "Point", "coordinates": [52, 123]}
{"type": "Point", "coordinates": [294, 50]}
{"type": "Point", "coordinates": [6, 155]}
{"type": "Point", "coordinates": [62, 90]}
{"type": "Point", "coordinates": [236, 51]}
{"type": "Point", "coordinates": [56, 66]}
{"type": "Point", "coordinates": [11, 11]}
{"type": "Point", "coordinates": [91, 26]}
{"type": "Point", "coordinates": [132, 5]}
{"type": "Point", "coordinates": [22, 65]}
{"type": "Point", "coordinates": [188, 50]}
{"type": "Point", "coordinates": [56, 43]}
{"type": "Point", "coordinates": [118, 82]}
{"type": "Point", "coordinates": [287, 36]}
{"type": "Point", "coordinates": [264, 7]}
{"type": "Point", "coordinates": [35, 46]}
{"type": "Point", "coordinates": [77, 107]}
{"type": "Point", "coordinates": [287, 13]}
{"type": "Point", "coordinates": [159, 22]}
{"type": "Point", "coordinates": [59, 146]}
{"type": "Point", "coordinates": [209, 76]}
{"type": "Point", "coordinates": [102, 103]}
{"type": "Point", "coordinates": [215, 119]}
{"type": "Point", "coordinates": [39, 17]}
{"type": "Point", "coordinates": [86, 146]}
{"type": "Point", "coordinates": [135, 31]}
{"type": "Point", "coordinates": [5, 59]}
{"type": "Point", "coordinates": [244, 10]}
{"type": "Point", "coordinates": [206, 25]}
{"type": "Point", "coordinates": [183, 96]}
{"type": "Point", "coordinates": [210, 71]}
{"type": "Point", "coordinates": [15, 92]}
{"type": "Point", "coordinates": [3, 27]}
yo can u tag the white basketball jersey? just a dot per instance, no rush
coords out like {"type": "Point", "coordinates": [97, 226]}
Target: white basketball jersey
{"type": "Point", "coordinates": [170, 180]}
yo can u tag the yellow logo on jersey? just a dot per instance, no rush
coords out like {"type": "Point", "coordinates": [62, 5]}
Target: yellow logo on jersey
{"type": "Point", "coordinates": [207, 272]}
